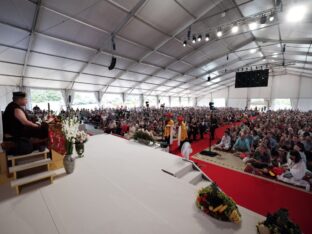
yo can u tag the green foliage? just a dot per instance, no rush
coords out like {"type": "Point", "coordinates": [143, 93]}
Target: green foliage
{"type": "Point", "coordinates": [142, 135]}
{"type": "Point", "coordinates": [39, 96]}
{"type": "Point", "coordinates": [279, 223]}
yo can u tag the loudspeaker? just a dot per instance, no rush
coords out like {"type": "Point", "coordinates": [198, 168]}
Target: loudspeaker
{"type": "Point", "coordinates": [112, 64]}
{"type": "Point", "coordinates": [69, 98]}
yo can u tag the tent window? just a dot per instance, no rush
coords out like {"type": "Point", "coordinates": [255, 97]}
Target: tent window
{"type": "Point", "coordinates": [175, 102]}
{"type": "Point", "coordinates": [85, 100]}
{"type": "Point", "coordinates": [111, 100]}
{"type": "Point", "coordinates": [151, 99]}
{"type": "Point", "coordinates": [133, 101]}
{"type": "Point", "coordinates": [41, 98]}
{"type": "Point", "coordinates": [257, 103]}
{"type": "Point", "coordinates": [164, 100]}
{"type": "Point", "coordinates": [281, 104]}
{"type": "Point", "coordinates": [185, 102]}
{"type": "Point", "coordinates": [219, 102]}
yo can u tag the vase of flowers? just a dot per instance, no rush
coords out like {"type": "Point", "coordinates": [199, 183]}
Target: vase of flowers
{"type": "Point", "coordinates": [144, 137]}
{"type": "Point", "coordinates": [70, 128]}
{"type": "Point", "coordinates": [81, 139]}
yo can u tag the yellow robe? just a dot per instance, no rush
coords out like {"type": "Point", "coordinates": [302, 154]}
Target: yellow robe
{"type": "Point", "coordinates": [168, 127]}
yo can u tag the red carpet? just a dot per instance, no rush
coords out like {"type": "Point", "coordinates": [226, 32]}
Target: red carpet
{"type": "Point", "coordinates": [260, 195]}
{"type": "Point", "coordinates": [256, 194]}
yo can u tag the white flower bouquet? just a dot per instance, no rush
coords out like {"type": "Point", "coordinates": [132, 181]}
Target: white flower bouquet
{"type": "Point", "coordinates": [81, 137]}
{"type": "Point", "coordinates": [70, 128]}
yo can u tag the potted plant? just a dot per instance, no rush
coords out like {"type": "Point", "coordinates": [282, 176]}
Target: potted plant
{"type": "Point", "coordinates": [143, 137]}
{"type": "Point", "coordinates": [70, 128]}
{"type": "Point", "coordinates": [81, 139]}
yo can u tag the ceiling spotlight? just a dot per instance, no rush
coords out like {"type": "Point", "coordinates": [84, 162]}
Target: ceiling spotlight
{"type": "Point", "coordinates": [253, 26]}
{"type": "Point", "coordinates": [235, 28]}
{"type": "Point", "coordinates": [207, 38]}
{"type": "Point", "coordinates": [296, 13]}
{"type": "Point", "coordinates": [194, 39]}
{"type": "Point", "coordinates": [199, 38]}
{"type": "Point", "coordinates": [184, 43]}
{"type": "Point", "coordinates": [271, 18]}
{"type": "Point", "coordinates": [263, 19]}
{"type": "Point", "coordinates": [274, 55]}
{"type": "Point", "coordinates": [219, 33]}
{"type": "Point", "coordinates": [252, 51]}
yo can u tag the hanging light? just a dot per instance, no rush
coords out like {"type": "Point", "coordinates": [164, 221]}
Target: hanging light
{"type": "Point", "coordinates": [194, 39]}
{"type": "Point", "coordinates": [296, 13]}
{"type": "Point", "coordinates": [235, 28]}
{"type": "Point", "coordinates": [253, 25]}
{"type": "Point", "coordinates": [199, 38]}
{"type": "Point", "coordinates": [252, 51]}
{"type": "Point", "coordinates": [184, 43]}
{"type": "Point", "coordinates": [219, 33]}
{"type": "Point", "coordinates": [207, 38]}
{"type": "Point", "coordinates": [271, 18]}
{"type": "Point", "coordinates": [263, 19]}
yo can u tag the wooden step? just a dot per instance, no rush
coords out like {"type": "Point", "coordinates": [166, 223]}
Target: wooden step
{"type": "Point", "coordinates": [29, 165]}
{"type": "Point", "coordinates": [32, 178]}
{"type": "Point", "coordinates": [34, 153]}
{"type": "Point", "coordinates": [192, 177]}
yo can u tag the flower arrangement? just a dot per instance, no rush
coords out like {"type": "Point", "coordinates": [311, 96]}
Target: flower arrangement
{"type": "Point", "coordinates": [70, 128]}
{"type": "Point", "coordinates": [278, 223]}
{"type": "Point", "coordinates": [81, 137]}
{"type": "Point", "coordinates": [142, 135]}
{"type": "Point", "coordinates": [217, 204]}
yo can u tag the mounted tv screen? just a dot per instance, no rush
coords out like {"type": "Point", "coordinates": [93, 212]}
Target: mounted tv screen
{"type": "Point", "coordinates": [249, 79]}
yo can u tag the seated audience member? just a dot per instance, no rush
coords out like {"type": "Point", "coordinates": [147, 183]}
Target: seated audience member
{"type": "Point", "coordinates": [242, 144]}
{"type": "Point", "coordinates": [296, 171]}
{"type": "Point", "coordinates": [260, 160]}
{"type": "Point", "coordinates": [225, 143]}
{"type": "Point", "coordinates": [300, 148]}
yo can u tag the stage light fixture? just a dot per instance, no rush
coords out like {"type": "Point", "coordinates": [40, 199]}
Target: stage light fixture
{"type": "Point", "coordinates": [253, 25]}
{"type": "Point", "coordinates": [219, 33]}
{"type": "Point", "coordinates": [274, 55]}
{"type": "Point", "coordinates": [263, 19]}
{"type": "Point", "coordinates": [296, 13]}
{"type": "Point", "coordinates": [284, 48]}
{"type": "Point", "coordinates": [184, 43]}
{"type": "Point", "coordinates": [199, 38]}
{"type": "Point", "coordinates": [235, 28]}
{"type": "Point", "coordinates": [194, 39]}
{"type": "Point", "coordinates": [207, 38]}
{"type": "Point", "coordinates": [113, 63]}
{"type": "Point", "coordinates": [252, 51]}
{"type": "Point", "coordinates": [209, 78]}
{"type": "Point", "coordinates": [271, 18]}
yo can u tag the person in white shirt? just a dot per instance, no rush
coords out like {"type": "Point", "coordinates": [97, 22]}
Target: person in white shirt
{"type": "Point", "coordinates": [296, 171]}
{"type": "Point", "coordinates": [225, 143]}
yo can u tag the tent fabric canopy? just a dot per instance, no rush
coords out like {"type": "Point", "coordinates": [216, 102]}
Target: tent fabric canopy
{"type": "Point", "coordinates": [64, 45]}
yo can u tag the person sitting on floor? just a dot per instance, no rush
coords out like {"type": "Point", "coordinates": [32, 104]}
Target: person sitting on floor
{"type": "Point", "coordinates": [225, 143]}
{"type": "Point", "coordinates": [242, 144]}
{"type": "Point", "coordinates": [296, 171]}
{"type": "Point", "coordinates": [260, 161]}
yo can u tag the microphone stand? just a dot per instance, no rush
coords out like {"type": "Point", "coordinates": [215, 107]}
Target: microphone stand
{"type": "Point", "coordinates": [210, 152]}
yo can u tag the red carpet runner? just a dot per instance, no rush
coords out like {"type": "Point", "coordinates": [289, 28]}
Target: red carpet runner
{"type": "Point", "coordinates": [254, 193]}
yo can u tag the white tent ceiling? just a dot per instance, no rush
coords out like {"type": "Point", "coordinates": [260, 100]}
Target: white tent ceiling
{"type": "Point", "coordinates": [67, 44]}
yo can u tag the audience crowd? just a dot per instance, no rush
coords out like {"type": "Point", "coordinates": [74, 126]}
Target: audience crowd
{"type": "Point", "coordinates": [278, 142]}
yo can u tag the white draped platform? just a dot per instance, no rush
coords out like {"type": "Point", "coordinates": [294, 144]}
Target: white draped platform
{"type": "Point", "coordinates": [117, 188]}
